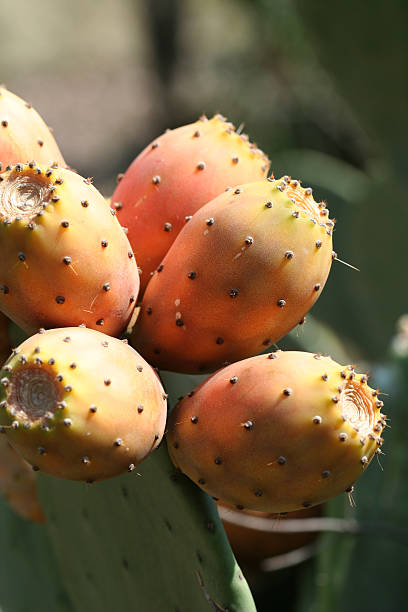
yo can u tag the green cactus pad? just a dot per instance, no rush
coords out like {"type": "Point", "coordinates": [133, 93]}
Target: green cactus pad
{"type": "Point", "coordinates": [148, 541]}
{"type": "Point", "coordinates": [29, 574]}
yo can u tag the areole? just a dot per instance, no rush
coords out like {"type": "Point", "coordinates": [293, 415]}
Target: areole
{"type": "Point", "coordinates": [23, 194]}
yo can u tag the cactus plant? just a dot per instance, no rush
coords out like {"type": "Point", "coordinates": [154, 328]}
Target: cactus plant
{"type": "Point", "coordinates": [81, 405]}
{"type": "Point", "coordinates": [168, 549]}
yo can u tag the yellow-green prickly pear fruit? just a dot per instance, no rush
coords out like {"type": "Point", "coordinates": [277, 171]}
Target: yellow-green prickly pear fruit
{"type": "Point", "coordinates": [17, 480]}
{"type": "Point", "coordinates": [23, 133]}
{"type": "Point", "coordinates": [81, 405]}
{"type": "Point", "coordinates": [277, 432]}
{"type": "Point", "coordinates": [243, 272]}
{"type": "Point", "coordinates": [64, 259]}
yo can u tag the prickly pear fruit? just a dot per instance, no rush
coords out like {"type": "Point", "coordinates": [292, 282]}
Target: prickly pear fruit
{"type": "Point", "coordinates": [256, 536]}
{"type": "Point", "coordinates": [174, 176]}
{"type": "Point", "coordinates": [64, 259]}
{"type": "Point", "coordinates": [18, 484]}
{"type": "Point", "coordinates": [17, 480]}
{"type": "Point", "coordinates": [240, 275]}
{"type": "Point", "coordinates": [81, 405]}
{"type": "Point", "coordinates": [277, 432]}
{"type": "Point", "coordinates": [4, 338]}
{"type": "Point", "coordinates": [23, 134]}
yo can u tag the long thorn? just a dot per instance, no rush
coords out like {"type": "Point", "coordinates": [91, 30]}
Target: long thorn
{"type": "Point", "coordinates": [346, 264]}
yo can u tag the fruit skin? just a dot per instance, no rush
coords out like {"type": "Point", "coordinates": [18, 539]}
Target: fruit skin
{"type": "Point", "coordinates": [81, 405]}
{"type": "Point", "coordinates": [251, 546]}
{"type": "Point", "coordinates": [277, 432]}
{"type": "Point", "coordinates": [23, 134]}
{"type": "Point", "coordinates": [4, 338]}
{"type": "Point", "coordinates": [64, 259]}
{"type": "Point", "coordinates": [18, 484]}
{"type": "Point", "coordinates": [176, 175]}
{"type": "Point", "coordinates": [17, 479]}
{"type": "Point", "coordinates": [242, 273]}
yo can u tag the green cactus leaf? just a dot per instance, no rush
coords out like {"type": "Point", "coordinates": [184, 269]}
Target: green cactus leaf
{"type": "Point", "coordinates": [29, 575]}
{"type": "Point", "coordinates": [149, 541]}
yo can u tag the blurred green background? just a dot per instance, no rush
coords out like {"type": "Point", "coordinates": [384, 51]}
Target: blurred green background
{"type": "Point", "coordinates": [322, 87]}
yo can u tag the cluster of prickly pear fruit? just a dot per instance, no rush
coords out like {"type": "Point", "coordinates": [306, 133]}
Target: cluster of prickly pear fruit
{"type": "Point", "coordinates": [174, 177]}
{"type": "Point", "coordinates": [229, 266]}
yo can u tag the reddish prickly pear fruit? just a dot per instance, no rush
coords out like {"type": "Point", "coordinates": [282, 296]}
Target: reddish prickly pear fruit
{"type": "Point", "coordinates": [23, 134]}
{"type": "Point", "coordinates": [81, 405]}
{"type": "Point", "coordinates": [256, 536]}
{"type": "Point", "coordinates": [64, 259]}
{"type": "Point", "coordinates": [174, 176]}
{"type": "Point", "coordinates": [240, 275]}
{"type": "Point", "coordinates": [277, 432]}
{"type": "Point", "coordinates": [18, 484]}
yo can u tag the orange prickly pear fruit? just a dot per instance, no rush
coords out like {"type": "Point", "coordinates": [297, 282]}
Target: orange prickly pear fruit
{"type": "Point", "coordinates": [81, 405]}
{"type": "Point", "coordinates": [241, 274]}
{"type": "Point", "coordinates": [23, 134]}
{"type": "Point", "coordinates": [174, 176]}
{"type": "Point", "coordinates": [64, 259]}
{"type": "Point", "coordinates": [256, 536]}
{"type": "Point", "coordinates": [277, 432]}
{"type": "Point", "coordinates": [18, 484]}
